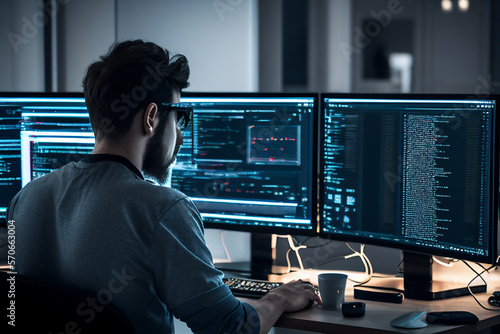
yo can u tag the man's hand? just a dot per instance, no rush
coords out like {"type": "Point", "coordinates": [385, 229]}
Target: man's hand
{"type": "Point", "coordinates": [290, 297]}
{"type": "Point", "coordinates": [293, 296]}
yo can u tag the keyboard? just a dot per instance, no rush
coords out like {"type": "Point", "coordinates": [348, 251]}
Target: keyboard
{"type": "Point", "coordinates": [250, 288]}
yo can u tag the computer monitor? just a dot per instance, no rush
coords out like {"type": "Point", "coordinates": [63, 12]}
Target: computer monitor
{"type": "Point", "coordinates": [40, 132]}
{"type": "Point", "coordinates": [55, 130]}
{"type": "Point", "coordinates": [10, 151]}
{"type": "Point", "coordinates": [249, 163]}
{"type": "Point", "coordinates": [413, 172]}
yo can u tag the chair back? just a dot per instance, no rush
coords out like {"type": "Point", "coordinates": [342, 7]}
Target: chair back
{"type": "Point", "coordinates": [54, 309]}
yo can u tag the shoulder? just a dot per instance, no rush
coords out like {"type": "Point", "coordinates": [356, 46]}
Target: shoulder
{"type": "Point", "coordinates": [153, 192]}
{"type": "Point", "coordinates": [161, 202]}
{"type": "Point", "coordinates": [40, 189]}
{"type": "Point", "coordinates": [46, 181]}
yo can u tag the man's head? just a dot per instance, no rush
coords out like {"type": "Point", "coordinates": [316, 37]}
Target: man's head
{"type": "Point", "coordinates": [126, 80]}
{"type": "Point", "coordinates": [129, 83]}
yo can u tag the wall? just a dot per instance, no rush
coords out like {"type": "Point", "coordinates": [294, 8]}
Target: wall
{"type": "Point", "coordinates": [86, 29]}
{"type": "Point", "coordinates": [219, 38]}
{"type": "Point", "coordinates": [21, 28]}
{"type": "Point", "coordinates": [495, 44]}
{"type": "Point", "coordinates": [458, 48]}
{"type": "Point", "coordinates": [5, 45]}
{"type": "Point", "coordinates": [450, 50]}
{"type": "Point", "coordinates": [330, 66]}
{"type": "Point", "coordinates": [236, 45]}
{"type": "Point", "coordinates": [270, 46]}
{"type": "Point", "coordinates": [220, 43]}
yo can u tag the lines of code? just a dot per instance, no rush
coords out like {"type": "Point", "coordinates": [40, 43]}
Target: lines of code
{"type": "Point", "coordinates": [424, 182]}
{"type": "Point", "coordinates": [10, 155]}
{"type": "Point", "coordinates": [249, 163]}
{"type": "Point", "coordinates": [416, 173]}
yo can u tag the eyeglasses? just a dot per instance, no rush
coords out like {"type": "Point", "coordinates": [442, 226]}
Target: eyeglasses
{"type": "Point", "coordinates": [184, 114]}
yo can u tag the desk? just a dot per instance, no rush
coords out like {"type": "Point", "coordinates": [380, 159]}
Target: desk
{"type": "Point", "coordinates": [379, 315]}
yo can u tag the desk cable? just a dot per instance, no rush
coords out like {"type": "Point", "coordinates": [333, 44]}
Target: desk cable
{"type": "Point", "coordinates": [480, 276]}
{"type": "Point", "coordinates": [223, 242]}
{"type": "Point", "coordinates": [291, 243]}
{"type": "Point", "coordinates": [361, 254]}
{"type": "Point", "coordinates": [366, 262]}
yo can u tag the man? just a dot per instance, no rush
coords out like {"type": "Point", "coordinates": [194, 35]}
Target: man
{"type": "Point", "coordinates": [98, 225]}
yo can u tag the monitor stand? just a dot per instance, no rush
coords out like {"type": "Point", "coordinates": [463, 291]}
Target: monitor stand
{"type": "Point", "coordinates": [261, 262]}
{"type": "Point", "coordinates": [417, 282]}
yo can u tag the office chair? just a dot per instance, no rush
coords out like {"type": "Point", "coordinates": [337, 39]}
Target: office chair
{"type": "Point", "coordinates": [47, 308]}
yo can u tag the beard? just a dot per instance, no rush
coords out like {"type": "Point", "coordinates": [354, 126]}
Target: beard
{"type": "Point", "coordinates": [154, 165]}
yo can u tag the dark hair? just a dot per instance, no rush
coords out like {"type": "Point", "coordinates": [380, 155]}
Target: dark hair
{"type": "Point", "coordinates": [126, 80]}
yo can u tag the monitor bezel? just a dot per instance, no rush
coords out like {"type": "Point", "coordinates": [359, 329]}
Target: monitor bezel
{"type": "Point", "coordinates": [493, 240]}
{"type": "Point", "coordinates": [314, 188]}
{"type": "Point", "coordinates": [42, 94]}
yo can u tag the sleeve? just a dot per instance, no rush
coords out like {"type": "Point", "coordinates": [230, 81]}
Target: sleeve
{"type": "Point", "coordinates": [186, 280]}
{"type": "Point", "coordinates": [10, 209]}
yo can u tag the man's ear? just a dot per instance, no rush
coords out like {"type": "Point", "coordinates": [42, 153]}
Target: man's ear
{"type": "Point", "coordinates": [150, 114]}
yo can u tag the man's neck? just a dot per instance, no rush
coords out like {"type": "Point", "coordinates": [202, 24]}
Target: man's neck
{"type": "Point", "coordinates": [120, 147]}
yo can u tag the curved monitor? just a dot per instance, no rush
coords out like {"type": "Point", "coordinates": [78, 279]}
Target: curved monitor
{"type": "Point", "coordinates": [413, 172]}
{"type": "Point", "coordinates": [249, 162]}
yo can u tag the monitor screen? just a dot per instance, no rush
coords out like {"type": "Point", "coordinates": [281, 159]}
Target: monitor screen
{"type": "Point", "coordinates": [10, 151]}
{"type": "Point", "coordinates": [40, 132]}
{"type": "Point", "coordinates": [414, 172]}
{"type": "Point", "coordinates": [249, 161]}
{"type": "Point", "coordinates": [55, 131]}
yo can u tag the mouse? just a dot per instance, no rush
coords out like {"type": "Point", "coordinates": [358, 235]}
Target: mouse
{"type": "Point", "coordinates": [410, 320]}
